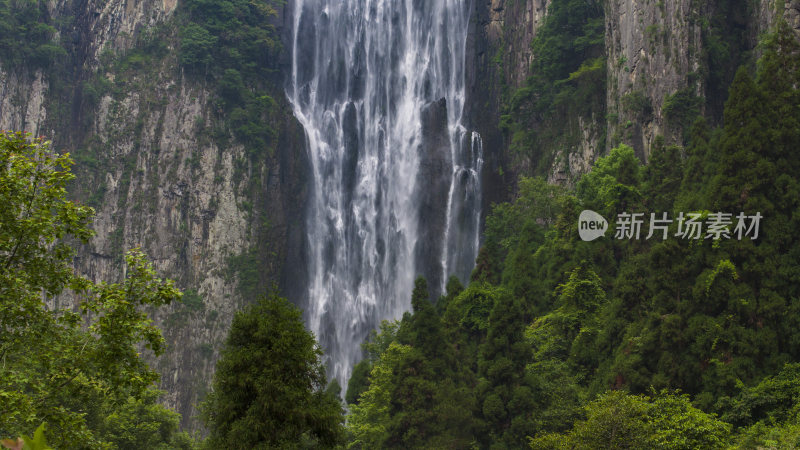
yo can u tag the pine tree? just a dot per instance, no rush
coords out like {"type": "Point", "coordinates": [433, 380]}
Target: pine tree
{"type": "Point", "coordinates": [425, 407]}
{"type": "Point", "coordinates": [504, 395]}
{"type": "Point", "coordinates": [269, 387]}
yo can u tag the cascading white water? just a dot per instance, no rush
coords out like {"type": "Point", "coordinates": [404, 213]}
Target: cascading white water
{"type": "Point", "coordinates": [379, 87]}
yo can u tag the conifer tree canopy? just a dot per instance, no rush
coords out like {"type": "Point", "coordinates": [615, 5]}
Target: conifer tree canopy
{"type": "Point", "coordinates": [269, 388]}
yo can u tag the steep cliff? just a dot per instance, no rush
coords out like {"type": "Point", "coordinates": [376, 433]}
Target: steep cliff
{"type": "Point", "coordinates": [663, 63]}
{"type": "Point", "coordinates": [555, 141]}
{"type": "Point", "coordinates": [161, 159]}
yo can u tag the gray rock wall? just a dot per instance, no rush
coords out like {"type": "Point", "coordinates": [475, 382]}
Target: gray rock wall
{"type": "Point", "coordinates": [652, 47]}
{"type": "Point", "coordinates": [147, 159]}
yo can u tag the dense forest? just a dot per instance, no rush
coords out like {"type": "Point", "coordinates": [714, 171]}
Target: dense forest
{"type": "Point", "coordinates": [673, 338]}
{"type": "Point", "coordinates": [663, 342]}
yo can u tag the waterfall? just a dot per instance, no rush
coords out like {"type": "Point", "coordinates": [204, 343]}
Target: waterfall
{"type": "Point", "coordinates": [378, 86]}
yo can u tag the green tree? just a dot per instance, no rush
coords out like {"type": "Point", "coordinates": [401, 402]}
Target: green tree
{"type": "Point", "coordinates": [663, 175]}
{"type": "Point", "coordinates": [415, 396]}
{"type": "Point", "coordinates": [377, 343]}
{"type": "Point", "coordinates": [565, 350]}
{"type": "Point", "coordinates": [196, 46]}
{"type": "Point", "coordinates": [429, 407]}
{"type": "Point", "coordinates": [359, 382]}
{"type": "Point", "coordinates": [425, 325]}
{"type": "Point", "coordinates": [269, 387]}
{"type": "Point", "coordinates": [368, 420]}
{"type": "Point", "coordinates": [618, 420]}
{"type": "Point", "coordinates": [143, 423]}
{"type": "Point", "coordinates": [775, 399]}
{"type": "Point", "coordinates": [613, 184]}
{"type": "Point", "coordinates": [505, 397]}
{"type": "Point", "coordinates": [615, 420]}
{"type": "Point", "coordinates": [35, 220]}
{"type": "Point", "coordinates": [62, 366]}
{"type": "Point", "coordinates": [678, 425]}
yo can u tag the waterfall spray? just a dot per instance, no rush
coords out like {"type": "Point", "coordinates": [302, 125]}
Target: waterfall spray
{"type": "Point", "coordinates": [378, 86]}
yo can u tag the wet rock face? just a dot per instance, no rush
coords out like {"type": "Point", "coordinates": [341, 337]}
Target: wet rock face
{"type": "Point", "coordinates": [657, 49]}
{"type": "Point", "coordinates": [433, 185]}
{"type": "Point", "coordinates": [511, 27]}
{"type": "Point", "coordinates": [22, 101]}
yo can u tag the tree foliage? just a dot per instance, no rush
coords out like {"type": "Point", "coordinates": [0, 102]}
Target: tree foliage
{"type": "Point", "coordinates": [143, 423]}
{"type": "Point", "coordinates": [617, 420]}
{"type": "Point", "coordinates": [66, 367]}
{"type": "Point", "coordinates": [269, 385]}
{"type": "Point", "coordinates": [235, 44]}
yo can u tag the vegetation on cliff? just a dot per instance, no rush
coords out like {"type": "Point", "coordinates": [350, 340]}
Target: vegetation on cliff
{"type": "Point", "coordinates": [27, 35]}
{"type": "Point", "coordinates": [234, 44]}
{"type": "Point", "coordinates": [567, 82]}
